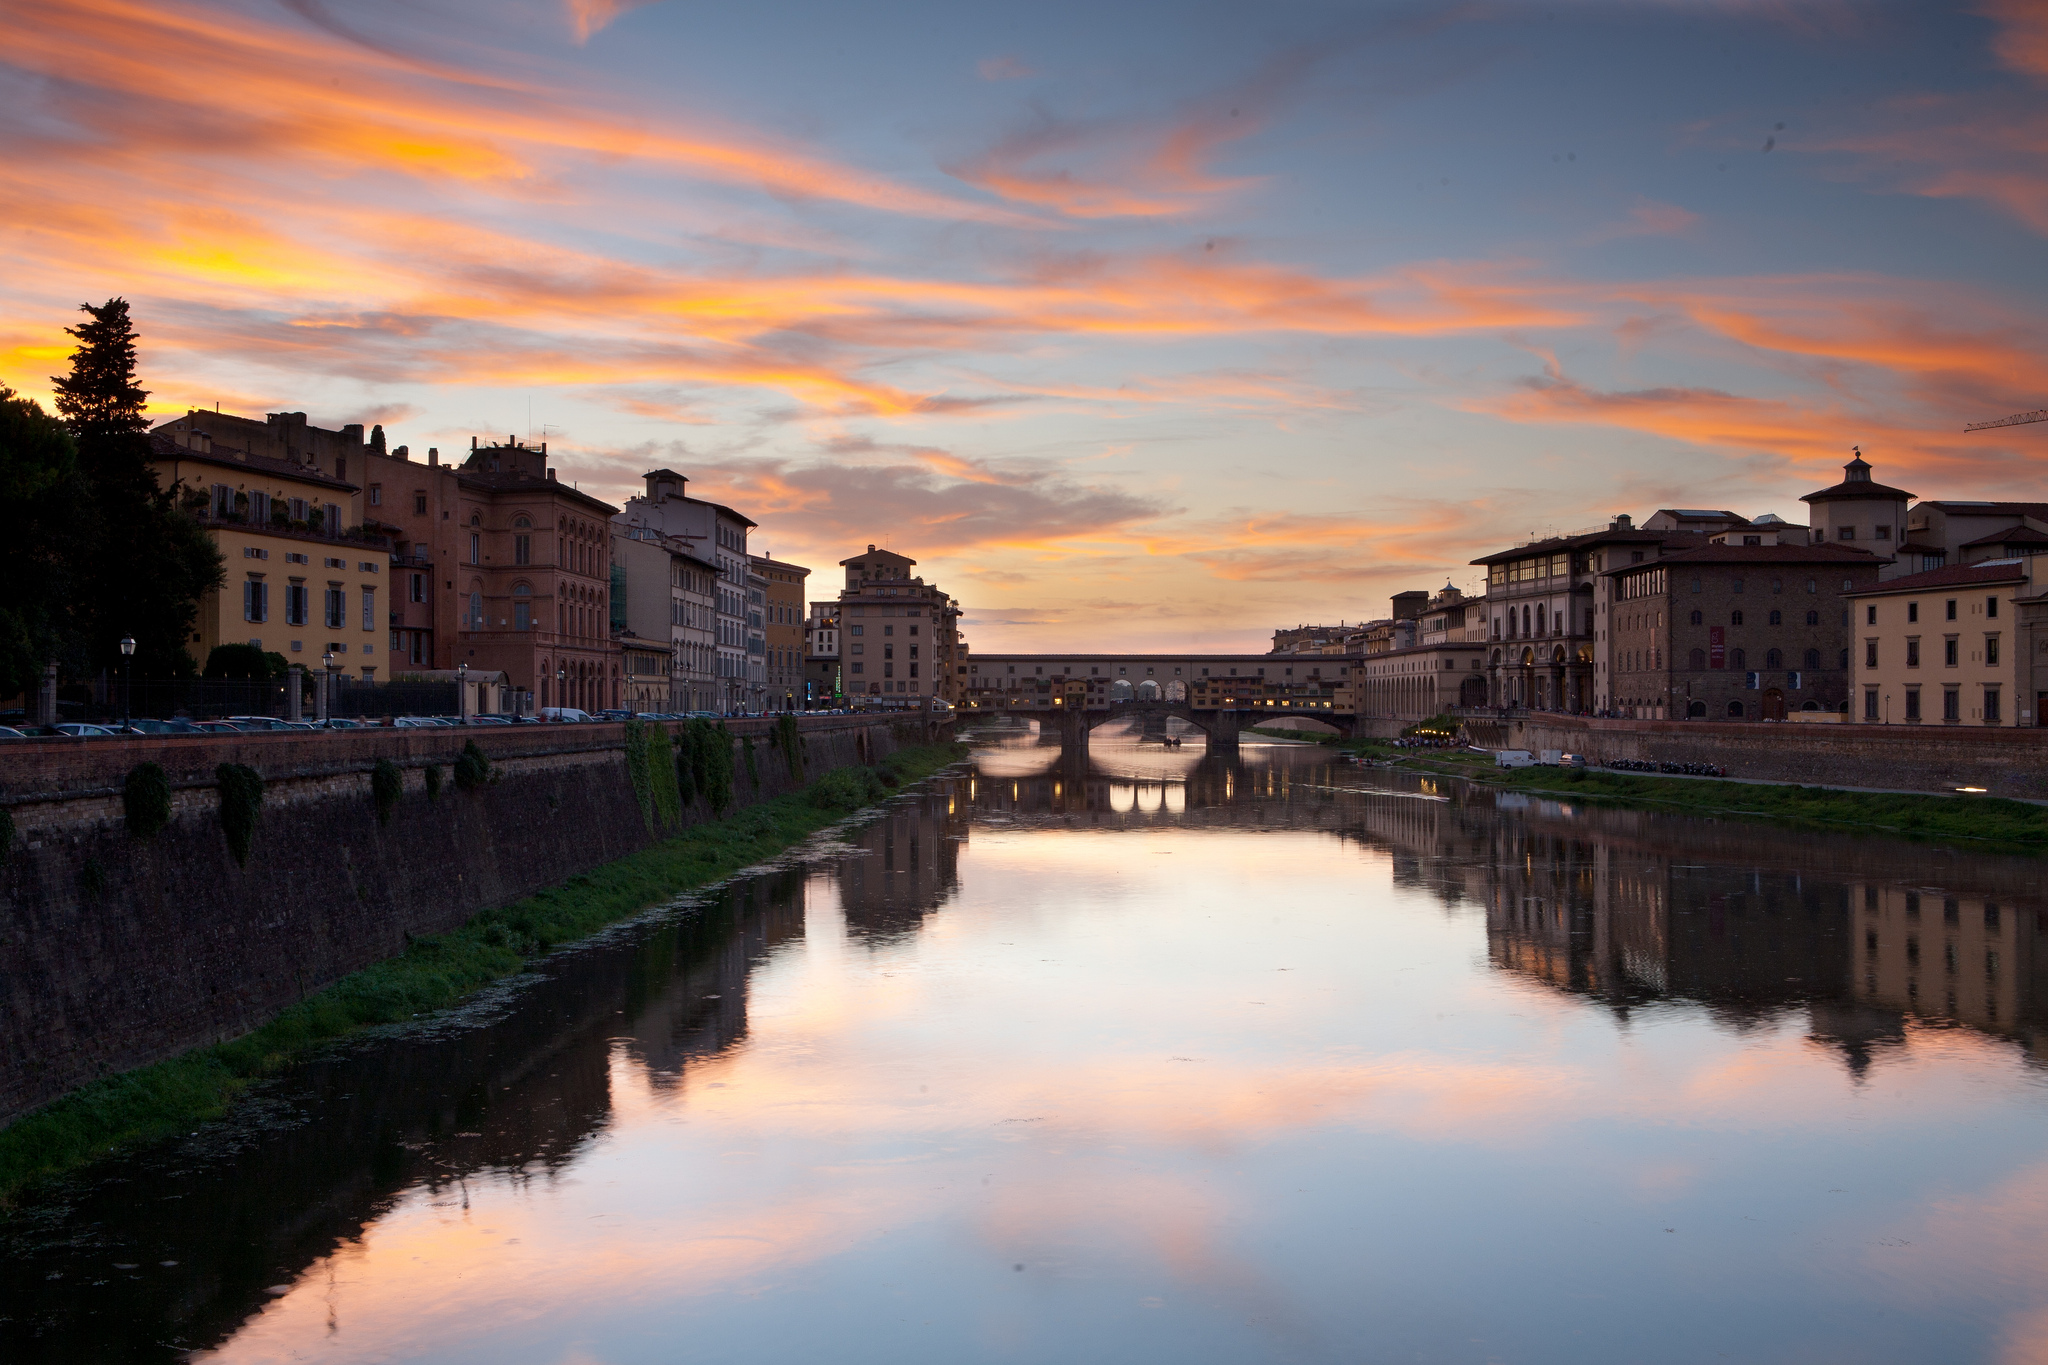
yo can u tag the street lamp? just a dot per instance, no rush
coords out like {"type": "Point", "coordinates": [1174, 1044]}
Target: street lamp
{"type": "Point", "coordinates": [127, 683]}
{"type": "Point", "coordinates": [561, 685]}
{"type": "Point", "coordinates": [462, 690]}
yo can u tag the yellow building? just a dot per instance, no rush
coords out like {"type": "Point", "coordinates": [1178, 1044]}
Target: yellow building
{"type": "Point", "coordinates": [1953, 646]}
{"type": "Point", "coordinates": [297, 583]}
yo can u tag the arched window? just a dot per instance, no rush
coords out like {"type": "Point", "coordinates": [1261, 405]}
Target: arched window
{"type": "Point", "coordinates": [475, 519]}
{"type": "Point", "coordinates": [1735, 709]}
{"type": "Point", "coordinates": [476, 610]}
{"type": "Point", "coordinates": [1539, 618]}
{"type": "Point", "coordinates": [1698, 660]}
{"type": "Point", "coordinates": [1813, 659]}
{"type": "Point", "coordinates": [1773, 659]}
{"type": "Point", "coordinates": [1738, 659]}
{"type": "Point", "coordinates": [522, 606]}
{"type": "Point", "coordinates": [1698, 618]}
{"type": "Point", "coordinates": [1777, 618]}
{"type": "Point", "coordinates": [523, 522]}
{"type": "Point", "coordinates": [1696, 710]}
{"type": "Point", "coordinates": [1734, 618]}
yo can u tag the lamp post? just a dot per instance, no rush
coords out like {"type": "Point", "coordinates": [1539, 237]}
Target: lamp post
{"type": "Point", "coordinates": [561, 682]}
{"type": "Point", "coordinates": [327, 685]}
{"type": "Point", "coordinates": [127, 682]}
{"type": "Point", "coordinates": [462, 692]}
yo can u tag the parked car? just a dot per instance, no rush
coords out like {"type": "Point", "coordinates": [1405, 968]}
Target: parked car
{"type": "Point", "coordinates": [76, 729]}
{"type": "Point", "coordinates": [151, 726]}
{"type": "Point", "coordinates": [563, 715]}
{"type": "Point", "coordinates": [219, 727]}
{"type": "Point", "coordinates": [339, 723]}
{"type": "Point", "coordinates": [1571, 761]}
{"type": "Point", "coordinates": [261, 723]}
{"type": "Point", "coordinates": [490, 720]}
{"type": "Point", "coordinates": [9, 732]}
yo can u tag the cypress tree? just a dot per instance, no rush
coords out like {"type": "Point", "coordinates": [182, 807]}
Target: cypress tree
{"type": "Point", "coordinates": [151, 562]}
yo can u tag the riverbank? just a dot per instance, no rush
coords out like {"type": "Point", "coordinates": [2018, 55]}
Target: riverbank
{"type": "Point", "coordinates": [1982, 821]}
{"type": "Point", "coordinates": [435, 972]}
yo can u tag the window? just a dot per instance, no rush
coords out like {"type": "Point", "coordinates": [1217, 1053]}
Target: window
{"type": "Point", "coordinates": [1949, 651]}
{"type": "Point", "coordinates": [1697, 618]}
{"type": "Point", "coordinates": [1951, 703]}
{"type": "Point", "coordinates": [522, 549]}
{"type": "Point", "coordinates": [1735, 586]}
{"type": "Point", "coordinates": [419, 504]}
{"type": "Point", "coordinates": [1812, 660]}
{"type": "Point", "coordinates": [1913, 652]}
{"type": "Point", "coordinates": [476, 548]}
{"type": "Point", "coordinates": [1991, 649]}
{"type": "Point", "coordinates": [369, 608]}
{"type": "Point", "coordinates": [1773, 659]}
{"type": "Point", "coordinates": [1738, 659]}
{"type": "Point", "coordinates": [1870, 654]}
{"type": "Point", "coordinates": [336, 604]}
{"type": "Point", "coordinates": [255, 600]}
{"type": "Point", "coordinates": [419, 587]}
{"type": "Point", "coordinates": [1846, 533]}
{"type": "Point", "coordinates": [1734, 618]}
{"type": "Point", "coordinates": [1882, 532]}
{"type": "Point", "coordinates": [522, 607]}
{"type": "Point", "coordinates": [1912, 611]}
{"type": "Point", "coordinates": [1870, 703]}
{"type": "Point", "coordinates": [1990, 706]}
{"type": "Point", "coordinates": [1870, 615]}
{"type": "Point", "coordinates": [1912, 703]}
{"type": "Point", "coordinates": [1951, 608]}
{"type": "Point", "coordinates": [1813, 618]}
{"type": "Point", "coordinates": [1695, 585]}
{"type": "Point", "coordinates": [1777, 618]}
{"type": "Point", "coordinates": [475, 619]}
{"type": "Point", "coordinates": [1735, 710]}
{"type": "Point", "coordinates": [295, 604]}
{"type": "Point", "coordinates": [1698, 660]}
{"type": "Point", "coordinates": [1991, 607]}
{"type": "Point", "coordinates": [376, 495]}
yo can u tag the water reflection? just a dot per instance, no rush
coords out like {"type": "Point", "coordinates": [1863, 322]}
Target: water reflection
{"type": "Point", "coordinates": [1160, 1053]}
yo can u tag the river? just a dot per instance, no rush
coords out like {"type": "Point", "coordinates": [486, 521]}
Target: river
{"type": "Point", "coordinates": [1165, 1057]}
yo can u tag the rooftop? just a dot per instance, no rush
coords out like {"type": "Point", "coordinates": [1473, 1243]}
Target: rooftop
{"type": "Point", "coordinates": [1856, 485]}
{"type": "Point", "coordinates": [1956, 576]}
{"type": "Point", "coordinates": [1757, 554]}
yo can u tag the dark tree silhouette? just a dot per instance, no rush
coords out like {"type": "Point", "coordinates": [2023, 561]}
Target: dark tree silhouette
{"type": "Point", "coordinates": [150, 563]}
{"type": "Point", "coordinates": [45, 506]}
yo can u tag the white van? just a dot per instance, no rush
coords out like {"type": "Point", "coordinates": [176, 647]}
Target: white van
{"type": "Point", "coordinates": [1513, 758]}
{"type": "Point", "coordinates": [562, 715]}
{"type": "Point", "coordinates": [1550, 758]}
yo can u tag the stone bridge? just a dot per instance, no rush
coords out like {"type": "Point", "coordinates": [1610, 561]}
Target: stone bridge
{"type": "Point", "coordinates": [1070, 715]}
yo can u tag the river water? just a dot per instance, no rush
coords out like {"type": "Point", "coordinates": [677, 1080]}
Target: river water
{"type": "Point", "coordinates": [1164, 1057]}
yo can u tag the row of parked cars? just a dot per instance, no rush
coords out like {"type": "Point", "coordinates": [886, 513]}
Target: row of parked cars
{"type": "Point", "coordinates": [547, 715]}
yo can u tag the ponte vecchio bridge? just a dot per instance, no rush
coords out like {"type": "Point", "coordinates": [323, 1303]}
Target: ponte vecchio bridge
{"type": "Point", "coordinates": [1219, 694]}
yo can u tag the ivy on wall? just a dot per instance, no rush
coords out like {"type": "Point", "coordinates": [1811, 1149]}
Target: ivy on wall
{"type": "Point", "coordinates": [753, 768]}
{"type": "Point", "coordinates": [473, 767]}
{"type": "Point", "coordinates": [241, 801]}
{"type": "Point", "coordinates": [638, 763]}
{"type": "Point", "coordinates": [146, 800]}
{"type": "Point", "coordinates": [387, 784]}
{"type": "Point", "coordinates": [711, 764]}
{"type": "Point", "coordinates": [789, 739]}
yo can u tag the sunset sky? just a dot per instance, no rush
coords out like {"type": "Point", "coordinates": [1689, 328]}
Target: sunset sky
{"type": "Point", "coordinates": [1140, 325]}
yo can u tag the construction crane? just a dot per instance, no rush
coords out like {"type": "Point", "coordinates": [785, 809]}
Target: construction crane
{"type": "Point", "coordinates": [2018, 419]}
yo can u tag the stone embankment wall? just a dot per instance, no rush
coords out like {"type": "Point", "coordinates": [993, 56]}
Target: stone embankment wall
{"type": "Point", "coordinates": [117, 951]}
{"type": "Point", "coordinates": [2006, 762]}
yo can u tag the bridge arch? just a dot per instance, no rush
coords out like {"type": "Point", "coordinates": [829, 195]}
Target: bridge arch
{"type": "Point", "coordinates": [1148, 690]}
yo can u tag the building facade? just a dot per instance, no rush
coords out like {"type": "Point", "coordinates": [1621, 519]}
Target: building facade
{"type": "Point", "coordinates": [1956, 646]}
{"type": "Point", "coordinates": [782, 632]}
{"type": "Point", "coordinates": [718, 535]}
{"type": "Point", "coordinates": [501, 567]}
{"type": "Point", "coordinates": [299, 582]}
{"type": "Point", "coordinates": [1540, 616]}
{"type": "Point", "coordinates": [824, 680]}
{"type": "Point", "coordinates": [900, 635]}
{"type": "Point", "coordinates": [1863, 513]}
{"type": "Point", "coordinates": [1735, 632]}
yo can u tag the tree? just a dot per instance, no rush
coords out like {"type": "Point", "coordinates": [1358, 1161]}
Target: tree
{"type": "Point", "coordinates": [45, 506]}
{"type": "Point", "coordinates": [152, 561]}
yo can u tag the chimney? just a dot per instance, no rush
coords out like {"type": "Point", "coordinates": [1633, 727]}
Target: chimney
{"type": "Point", "coordinates": [551, 475]}
{"type": "Point", "coordinates": [402, 453]}
{"type": "Point", "coordinates": [434, 456]}
{"type": "Point", "coordinates": [871, 549]}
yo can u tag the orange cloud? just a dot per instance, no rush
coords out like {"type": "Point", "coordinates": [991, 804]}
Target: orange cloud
{"type": "Point", "coordinates": [2022, 41]}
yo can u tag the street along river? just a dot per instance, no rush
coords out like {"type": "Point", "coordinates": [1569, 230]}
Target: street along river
{"type": "Point", "coordinates": [1165, 1057]}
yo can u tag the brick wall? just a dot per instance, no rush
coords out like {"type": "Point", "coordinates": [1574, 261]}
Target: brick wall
{"type": "Point", "coordinates": [2007, 762]}
{"type": "Point", "coordinates": [183, 947]}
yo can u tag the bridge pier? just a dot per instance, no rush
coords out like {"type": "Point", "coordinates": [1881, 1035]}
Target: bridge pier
{"type": "Point", "coordinates": [1073, 731]}
{"type": "Point", "coordinates": [1223, 727]}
